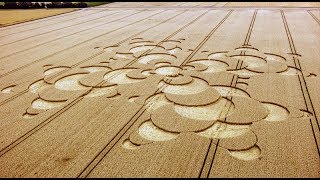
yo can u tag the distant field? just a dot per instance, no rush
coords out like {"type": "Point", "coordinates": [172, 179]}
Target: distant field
{"type": "Point", "coordinates": [273, 4]}
{"type": "Point", "coordinates": [161, 89]}
{"type": "Point", "coordinates": [90, 4]}
{"type": "Point", "coordinates": [14, 16]}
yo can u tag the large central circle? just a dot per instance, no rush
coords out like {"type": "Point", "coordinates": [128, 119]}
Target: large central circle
{"type": "Point", "coordinates": [168, 70]}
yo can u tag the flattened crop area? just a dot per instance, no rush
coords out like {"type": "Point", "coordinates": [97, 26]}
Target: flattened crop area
{"type": "Point", "coordinates": [180, 89]}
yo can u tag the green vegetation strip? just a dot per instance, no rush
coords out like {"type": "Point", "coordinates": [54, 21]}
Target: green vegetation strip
{"type": "Point", "coordinates": [91, 4]}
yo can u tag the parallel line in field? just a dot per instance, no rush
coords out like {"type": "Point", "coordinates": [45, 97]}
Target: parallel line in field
{"type": "Point", "coordinates": [109, 146]}
{"type": "Point", "coordinates": [83, 42]}
{"type": "Point", "coordinates": [206, 38]}
{"type": "Point", "coordinates": [304, 87]}
{"type": "Point", "coordinates": [210, 160]}
{"type": "Point", "coordinates": [232, 84]}
{"type": "Point", "coordinates": [88, 20]}
{"type": "Point", "coordinates": [98, 158]}
{"type": "Point", "coordinates": [58, 113]}
{"type": "Point", "coordinates": [120, 42]}
{"type": "Point", "coordinates": [297, 64]}
{"type": "Point", "coordinates": [205, 161]}
{"type": "Point", "coordinates": [37, 128]}
{"type": "Point", "coordinates": [314, 17]}
{"type": "Point", "coordinates": [46, 24]}
{"type": "Point", "coordinates": [93, 56]}
{"type": "Point", "coordinates": [167, 38]}
{"type": "Point", "coordinates": [290, 40]}
{"type": "Point", "coordinates": [15, 53]}
{"type": "Point", "coordinates": [246, 41]}
{"type": "Point", "coordinates": [225, 5]}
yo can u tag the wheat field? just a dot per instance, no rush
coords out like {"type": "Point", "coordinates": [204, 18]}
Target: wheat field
{"type": "Point", "coordinates": [155, 89]}
{"type": "Point", "coordinates": [15, 16]}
